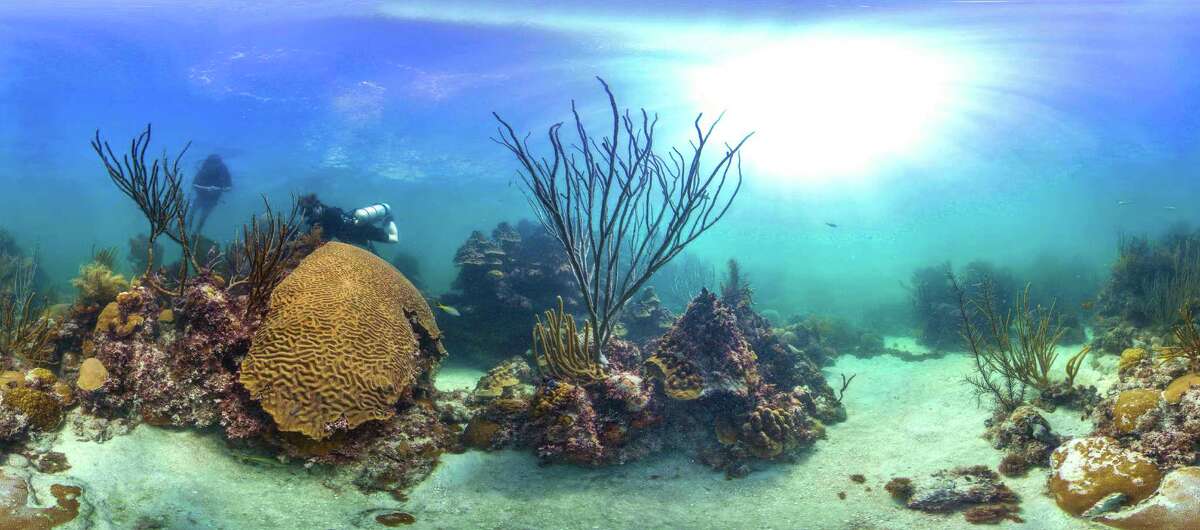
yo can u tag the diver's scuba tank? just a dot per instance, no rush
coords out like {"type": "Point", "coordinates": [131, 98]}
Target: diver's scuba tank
{"type": "Point", "coordinates": [372, 213]}
{"type": "Point", "coordinates": [379, 212]}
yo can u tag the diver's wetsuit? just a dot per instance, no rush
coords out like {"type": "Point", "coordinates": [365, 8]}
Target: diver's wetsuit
{"type": "Point", "coordinates": [336, 223]}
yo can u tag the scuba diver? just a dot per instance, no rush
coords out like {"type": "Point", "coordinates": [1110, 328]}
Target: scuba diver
{"type": "Point", "coordinates": [208, 185]}
{"type": "Point", "coordinates": [364, 226]}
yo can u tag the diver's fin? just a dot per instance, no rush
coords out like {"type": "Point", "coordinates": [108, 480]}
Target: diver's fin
{"type": "Point", "coordinates": [393, 234]}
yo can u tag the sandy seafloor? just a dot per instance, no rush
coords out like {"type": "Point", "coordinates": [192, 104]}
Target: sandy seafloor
{"type": "Point", "coordinates": [905, 419]}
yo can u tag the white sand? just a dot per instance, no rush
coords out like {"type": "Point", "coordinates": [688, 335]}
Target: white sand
{"type": "Point", "coordinates": [905, 419]}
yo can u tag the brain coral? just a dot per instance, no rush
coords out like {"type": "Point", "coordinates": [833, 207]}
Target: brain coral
{"type": "Point", "coordinates": [345, 338]}
{"type": "Point", "coordinates": [1131, 405]}
{"type": "Point", "coordinates": [1174, 506]}
{"type": "Point", "coordinates": [1086, 470]}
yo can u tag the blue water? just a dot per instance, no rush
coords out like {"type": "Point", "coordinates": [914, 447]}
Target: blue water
{"type": "Point", "coordinates": [990, 130]}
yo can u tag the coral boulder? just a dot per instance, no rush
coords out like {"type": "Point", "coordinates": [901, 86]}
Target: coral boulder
{"type": "Point", "coordinates": [346, 337]}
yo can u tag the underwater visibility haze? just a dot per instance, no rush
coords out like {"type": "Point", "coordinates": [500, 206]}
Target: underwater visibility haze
{"type": "Point", "coordinates": [471, 264]}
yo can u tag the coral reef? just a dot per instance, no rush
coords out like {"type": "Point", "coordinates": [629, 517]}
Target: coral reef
{"type": "Point", "coordinates": [502, 282]}
{"type": "Point", "coordinates": [705, 354]}
{"type": "Point", "coordinates": [502, 400]}
{"type": "Point", "coordinates": [1154, 409]}
{"type": "Point", "coordinates": [621, 214]}
{"type": "Point", "coordinates": [823, 339]}
{"type": "Point", "coordinates": [32, 402]}
{"type": "Point", "coordinates": [977, 490]}
{"type": "Point", "coordinates": [592, 426]}
{"type": "Point", "coordinates": [163, 374]}
{"type": "Point", "coordinates": [701, 390]}
{"type": "Point", "coordinates": [26, 333]}
{"type": "Point", "coordinates": [345, 339]}
{"type": "Point", "coordinates": [1026, 438]}
{"type": "Point", "coordinates": [1152, 279]}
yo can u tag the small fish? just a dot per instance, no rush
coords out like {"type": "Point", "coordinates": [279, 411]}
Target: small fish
{"type": "Point", "coordinates": [259, 460]}
{"type": "Point", "coordinates": [1170, 208]}
{"type": "Point", "coordinates": [1124, 203]}
{"type": "Point", "coordinates": [831, 225]}
{"type": "Point", "coordinates": [1088, 305]}
{"type": "Point", "coordinates": [449, 310]}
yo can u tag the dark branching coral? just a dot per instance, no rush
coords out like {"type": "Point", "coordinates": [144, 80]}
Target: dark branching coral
{"type": "Point", "coordinates": [264, 255]}
{"type": "Point", "coordinates": [156, 187]}
{"type": "Point", "coordinates": [620, 210]}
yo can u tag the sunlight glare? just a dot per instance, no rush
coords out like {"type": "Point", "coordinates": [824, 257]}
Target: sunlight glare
{"type": "Point", "coordinates": [832, 106]}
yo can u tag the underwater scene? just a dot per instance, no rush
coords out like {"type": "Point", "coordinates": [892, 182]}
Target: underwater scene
{"type": "Point", "coordinates": [599, 265]}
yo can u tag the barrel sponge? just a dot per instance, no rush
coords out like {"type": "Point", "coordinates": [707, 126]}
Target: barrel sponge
{"type": "Point", "coordinates": [346, 336]}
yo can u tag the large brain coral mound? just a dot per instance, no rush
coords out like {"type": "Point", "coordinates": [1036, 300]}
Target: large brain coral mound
{"type": "Point", "coordinates": [503, 281]}
{"type": "Point", "coordinates": [345, 339]}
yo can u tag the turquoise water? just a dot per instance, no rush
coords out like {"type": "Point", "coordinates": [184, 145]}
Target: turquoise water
{"type": "Point", "coordinates": [1034, 121]}
{"type": "Point", "coordinates": [887, 137]}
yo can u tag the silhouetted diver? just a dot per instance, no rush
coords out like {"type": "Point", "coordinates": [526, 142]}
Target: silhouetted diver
{"type": "Point", "coordinates": [208, 185]}
{"type": "Point", "coordinates": [364, 226]}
